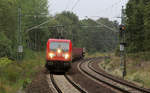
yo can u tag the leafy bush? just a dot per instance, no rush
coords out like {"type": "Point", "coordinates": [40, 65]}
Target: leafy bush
{"type": "Point", "coordinates": [5, 45]}
{"type": "Point", "coordinates": [26, 82]}
{"type": "Point", "coordinates": [4, 62]}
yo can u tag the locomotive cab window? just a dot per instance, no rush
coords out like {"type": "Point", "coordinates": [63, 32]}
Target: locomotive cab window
{"type": "Point", "coordinates": [64, 46]}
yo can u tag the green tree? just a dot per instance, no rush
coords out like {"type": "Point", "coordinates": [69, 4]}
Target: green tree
{"type": "Point", "coordinates": [5, 48]}
{"type": "Point", "coordinates": [33, 13]}
{"type": "Point", "coordinates": [96, 37]}
{"type": "Point", "coordinates": [71, 26]}
{"type": "Point", "coordinates": [147, 25]}
{"type": "Point", "coordinates": [135, 25]}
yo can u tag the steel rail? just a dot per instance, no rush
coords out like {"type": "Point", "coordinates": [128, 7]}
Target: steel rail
{"type": "Point", "coordinates": [55, 85]}
{"type": "Point", "coordinates": [117, 80]}
{"type": "Point", "coordinates": [75, 85]}
{"type": "Point", "coordinates": [103, 81]}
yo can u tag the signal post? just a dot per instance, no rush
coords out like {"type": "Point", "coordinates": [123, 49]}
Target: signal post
{"type": "Point", "coordinates": [122, 49]}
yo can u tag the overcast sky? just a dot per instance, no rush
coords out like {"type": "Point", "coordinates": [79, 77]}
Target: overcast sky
{"type": "Point", "coordinates": [90, 8]}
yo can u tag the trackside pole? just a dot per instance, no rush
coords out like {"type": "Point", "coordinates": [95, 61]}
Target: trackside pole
{"type": "Point", "coordinates": [122, 45]}
{"type": "Point", "coordinates": [20, 46]}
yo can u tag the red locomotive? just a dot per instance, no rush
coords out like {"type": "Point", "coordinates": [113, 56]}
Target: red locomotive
{"type": "Point", "coordinates": [59, 54]}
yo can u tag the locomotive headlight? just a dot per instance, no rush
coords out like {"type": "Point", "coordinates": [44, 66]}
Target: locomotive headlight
{"type": "Point", "coordinates": [51, 55]}
{"type": "Point", "coordinates": [66, 56]}
{"type": "Point", "coordinates": [59, 51]}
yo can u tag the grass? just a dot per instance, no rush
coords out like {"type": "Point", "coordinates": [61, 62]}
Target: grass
{"type": "Point", "coordinates": [138, 68]}
{"type": "Point", "coordinates": [16, 75]}
{"type": "Point", "coordinates": [97, 54]}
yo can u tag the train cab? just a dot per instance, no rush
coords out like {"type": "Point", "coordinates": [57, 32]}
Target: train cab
{"type": "Point", "coordinates": [58, 54]}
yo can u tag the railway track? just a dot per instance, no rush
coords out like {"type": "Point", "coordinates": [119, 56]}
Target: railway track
{"type": "Point", "coordinates": [143, 90]}
{"type": "Point", "coordinates": [55, 85]}
{"type": "Point", "coordinates": [63, 84]}
{"type": "Point", "coordinates": [119, 85]}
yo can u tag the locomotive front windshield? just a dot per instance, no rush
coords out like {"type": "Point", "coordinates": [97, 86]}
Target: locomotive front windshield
{"type": "Point", "coordinates": [59, 45]}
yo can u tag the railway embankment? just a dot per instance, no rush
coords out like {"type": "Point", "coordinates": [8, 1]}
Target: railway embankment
{"type": "Point", "coordinates": [15, 76]}
{"type": "Point", "coordinates": [137, 66]}
{"type": "Point", "coordinates": [39, 84]}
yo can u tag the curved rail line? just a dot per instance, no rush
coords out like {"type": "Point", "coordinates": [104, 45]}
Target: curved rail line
{"type": "Point", "coordinates": [76, 86]}
{"type": "Point", "coordinates": [117, 80]}
{"type": "Point", "coordinates": [55, 85]}
{"type": "Point", "coordinates": [103, 81]}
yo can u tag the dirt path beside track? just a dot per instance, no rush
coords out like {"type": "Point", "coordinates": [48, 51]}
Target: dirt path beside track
{"type": "Point", "coordinates": [39, 84]}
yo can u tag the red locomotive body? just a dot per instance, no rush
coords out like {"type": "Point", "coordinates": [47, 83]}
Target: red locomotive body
{"type": "Point", "coordinates": [59, 54]}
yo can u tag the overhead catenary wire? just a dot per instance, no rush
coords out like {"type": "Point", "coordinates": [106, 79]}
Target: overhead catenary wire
{"type": "Point", "coordinates": [110, 7]}
{"type": "Point", "coordinates": [34, 27]}
{"type": "Point", "coordinates": [97, 22]}
{"type": "Point", "coordinates": [67, 5]}
{"type": "Point", "coordinates": [105, 26]}
{"type": "Point", "coordinates": [75, 5]}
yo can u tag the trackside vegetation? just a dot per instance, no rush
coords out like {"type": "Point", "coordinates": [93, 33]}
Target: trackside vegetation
{"type": "Point", "coordinates": [15, 76]}
{"type": "Point", "coordinates": [138, 70]}
{"type": "Point", "coordinates": [138, 66]}
{"type": "Point", "coordinates": [138, 45]}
